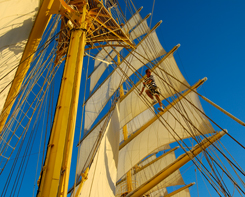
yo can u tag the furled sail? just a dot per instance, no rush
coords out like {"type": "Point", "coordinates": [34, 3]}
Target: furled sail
{"type": "Point", "coordinates": [132, 104]}
{"type": "Point", "coordinates": [159, 134]}
{"type": "Point", "coordinates": [16, 21]}
{"type": "Point", "coordinates": [103, 172]}
{"type": "Point", "coordinates": [142, 176]}
{"type": "Point", "coordinates": [97, 101]}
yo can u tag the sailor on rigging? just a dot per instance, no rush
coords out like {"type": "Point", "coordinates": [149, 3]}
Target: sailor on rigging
{"type": "Point", "coordinates": [152, 90]}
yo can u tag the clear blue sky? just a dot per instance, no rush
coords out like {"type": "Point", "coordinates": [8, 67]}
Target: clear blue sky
{"type": "Point", "coordinates": [212, 38]}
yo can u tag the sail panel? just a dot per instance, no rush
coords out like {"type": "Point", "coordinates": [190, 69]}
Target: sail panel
{"type": "Point", "coordinates": [183, 193]}
{"type": "Point", "coordinates": [137, 122]}
{"type": "Point", "coordinates": [102, 54]}
{"type": "Point", "coordinates": [87, 147]}
{"type": "Point", "coordinates": [159, 134]}
{"type": "Point", "coordinates": [161, 148]}
{"type": "Point", "coordinates": [103, 172]}
{"type": "Point", "coordinates": [95, 76]}
{"type": "Point", "coordinates": [132, 22]}
{"type": "Point", "coordinates": [16, 22]}
{"type": "Point", "coordinates": [133, 104]}
{"type": "Point", "coordinates": [148, 172]}
{"type": "Point", "coordinates": [108, 53]}
{"type": "Point", "coordinates": [159, 192]}
{"type": "Point", "coordinates": [147, 160]}
{"type": "Point", "coordinates": [149, 50]}
{"type": "Point", "coordinates": [140, 30]}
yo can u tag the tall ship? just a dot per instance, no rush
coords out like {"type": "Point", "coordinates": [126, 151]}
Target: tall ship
{"type": "Point", "coordinates": [94, 105]}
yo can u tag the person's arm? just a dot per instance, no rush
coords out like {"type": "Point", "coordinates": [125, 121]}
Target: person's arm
{"type": "Point", "coordinates": [149, 81]}
{"type": "Point", "coordinates": [142, 89]}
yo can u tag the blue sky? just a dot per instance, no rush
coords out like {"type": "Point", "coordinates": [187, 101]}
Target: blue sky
{"type": "Point", "coordinates": [212, 38]}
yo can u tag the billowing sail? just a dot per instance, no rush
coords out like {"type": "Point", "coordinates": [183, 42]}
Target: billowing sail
{"type": "Point", "coordinates": [132, 104]}
{"type": "Point", "coordinates": [140, 30]}
{"type": "Point", "coordinates": [159, 192]}
{"type": "Point", "coordinates": [108, 53]}
{"type": "Point", "coordinates": [165, 132]}
{"type": "Point", "coordinates": [183, 193]}
{"type": "Point", "coordinates": [103, 172]}
{"type": "Point", "coordinates": [95, 76]}
{"type": "Point", "coordinates": [103, 53]}
{"type": "Point", "coordinates": [137, 122]}
{"type": "Point", "coordinates": [98, 100]}
{"type": "Point", "coordinates": [143, 174]}
{"type": "Point", "coordinates": [132, 22]}
{"type": "Point", "coordinates": [87, 146]}
{"type": "Point", "coordinates": [16, 21]}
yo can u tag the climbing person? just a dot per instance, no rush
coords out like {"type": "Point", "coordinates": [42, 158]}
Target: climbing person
{"type": "Point", "coordinates": [152, 90]}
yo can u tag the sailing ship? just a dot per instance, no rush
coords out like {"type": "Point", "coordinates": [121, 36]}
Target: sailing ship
{"type": "Point", "coordinates": [126, 146]}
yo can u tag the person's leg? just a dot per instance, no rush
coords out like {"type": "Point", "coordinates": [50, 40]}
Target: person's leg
{"type": "Point", "coordinates": [158, 99]}
{"type": "Point", "coordinates": [160, 103]}
{"type": "Point", "coordinates": [149, 94]}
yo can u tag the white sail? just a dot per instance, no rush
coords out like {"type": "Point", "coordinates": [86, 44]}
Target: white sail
{"type": "Point", "coordinates": [137, 122]}
{"type": "Point", "coordinates": [132, 22]}
{"type": "Point", "coordinates": [158, 134]}
{"type": "Point", "coordinates": [183, 193]}
{"type": "Point", "coordinates": [108, 53]}
{"type": "Point", "coordinates": [86, 147]}
{"type": "Point", "coordinates": [16, 21]}
{"type": "Point", "coordinates": [147, 160]}
{"type": "Point", "coordinates": [140, 30]}
{"type": "Point", "coordinates": [148, 172]}
{"type": "Point", "coordinates": [98, 100]}
{"type": "Point", "coordinates": [133, 105]}
{"type": "Point", "coordinates": [103, 172]}
{"type": "Point", "coordinates": [95, 76]}
{"type": "Point", "coordinates": [159, 193]}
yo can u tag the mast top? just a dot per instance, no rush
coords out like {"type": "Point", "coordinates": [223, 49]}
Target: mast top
{"type": "Point", "coordinates": [101, 26]}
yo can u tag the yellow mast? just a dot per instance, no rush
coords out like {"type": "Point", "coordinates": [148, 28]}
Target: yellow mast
{"type": "Point", "coordinates": [72, 120]}
{"type": "Point", "coordinates": [55, 172]}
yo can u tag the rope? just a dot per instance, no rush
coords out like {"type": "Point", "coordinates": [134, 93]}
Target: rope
{"type": "Point", "coordinates": [152, 12]}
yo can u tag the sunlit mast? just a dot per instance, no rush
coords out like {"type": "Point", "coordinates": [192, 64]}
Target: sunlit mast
{"type": "Point", "coordinates": [88, 25]}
